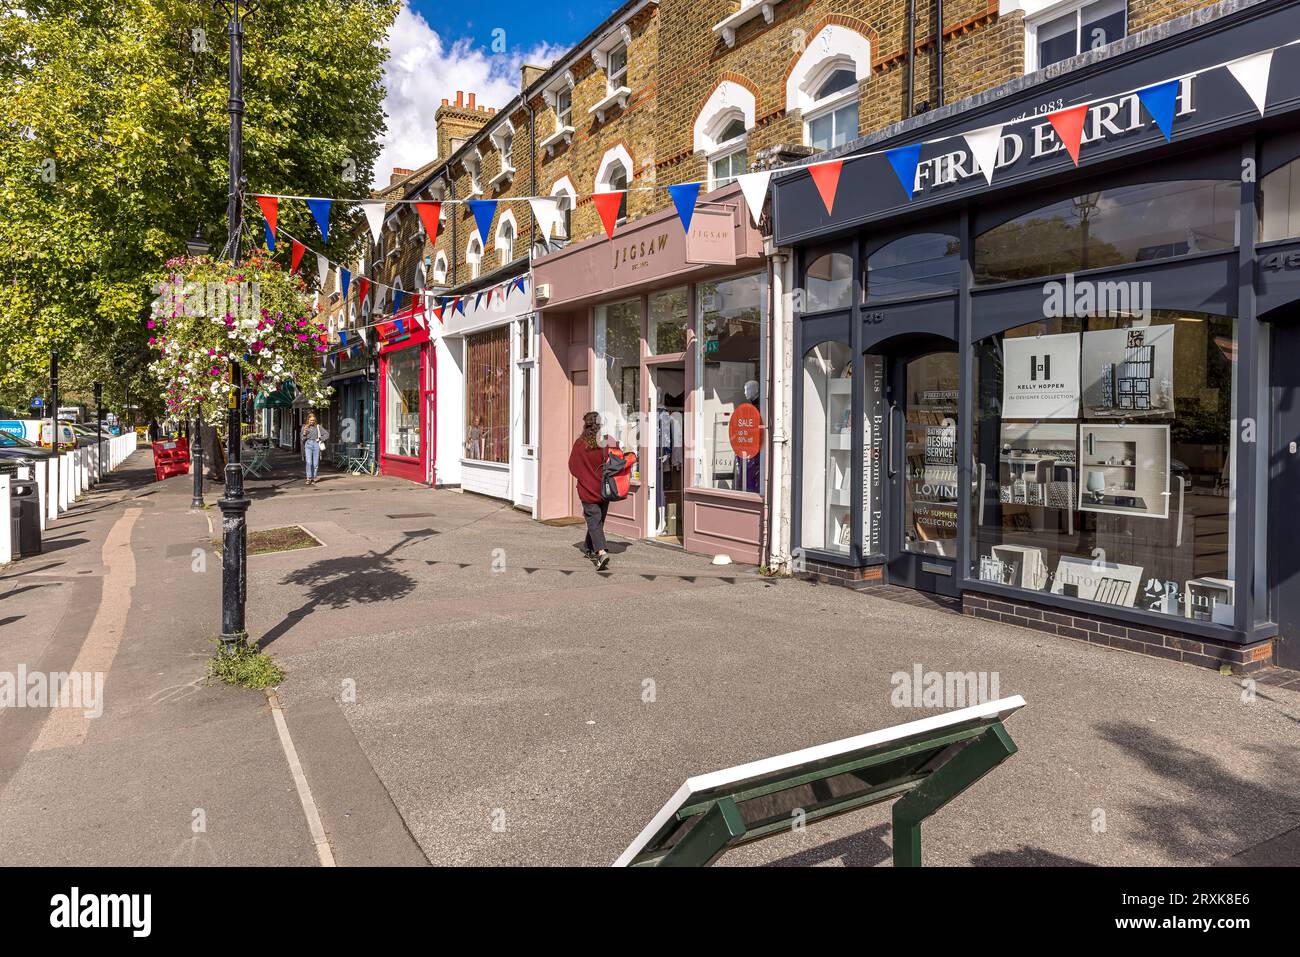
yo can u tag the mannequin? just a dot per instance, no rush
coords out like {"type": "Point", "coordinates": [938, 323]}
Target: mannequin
{"type": "Point", "coordinates": [747, 470]}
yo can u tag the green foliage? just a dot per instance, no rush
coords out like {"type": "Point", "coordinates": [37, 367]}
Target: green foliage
{"type": "Point", "coordinates": [114, 148]}
{"type": "Point", "coordinates": [245, 667]}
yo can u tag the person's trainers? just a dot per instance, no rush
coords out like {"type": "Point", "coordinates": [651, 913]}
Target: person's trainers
{"type": "Point", "coordinates": [602, 562]}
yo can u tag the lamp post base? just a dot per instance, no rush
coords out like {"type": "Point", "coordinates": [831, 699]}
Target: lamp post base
{"type": "Point", "coordinates": [234, 558]}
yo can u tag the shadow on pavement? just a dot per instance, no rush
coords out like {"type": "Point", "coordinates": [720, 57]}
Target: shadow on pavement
{"type": "Point", "coordinates": [343, 582]}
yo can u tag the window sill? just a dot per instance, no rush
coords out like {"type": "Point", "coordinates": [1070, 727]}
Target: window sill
{"type": "Point", "coordinates": [564, 133]}
{"type": "Point", "coordinates": [755, 498]}
{"type": "Point", "coordinates": [618, 96]}
{"type": "Point", "coordinates": [505, 176]}
{"type": "Point", "coordinates": [726, 27]}
{"type": "Point", "coordinates": [484, 463]}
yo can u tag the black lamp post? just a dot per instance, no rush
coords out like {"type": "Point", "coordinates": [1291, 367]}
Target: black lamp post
{"type": "Point", "coordinates": [233, 504]}
{"type": "Point", "coordinates": [197, 245]}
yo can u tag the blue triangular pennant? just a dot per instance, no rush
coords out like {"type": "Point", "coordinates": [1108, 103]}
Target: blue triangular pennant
{"type": "Point", "coordinates": [345, 279]}
{"type": "Point", "coordinates": [520, 282]}
{"type": "Point", "coordinates": [483, 210]}
{"type": "Point", "coordinates": [398, 296]}
{"type": "Point", "coordinates": [1160, 100]}
{"type": "Point", "coordinates": [684, 199]}
{"type": "Point", "coordinates": [401, 326]}
{"type": "Point", "coordinates": [460, 305]}
{"type": "Point", "coordinates": [478, 301]}
{"type": "Point", "coordinates": [320, 210]}
{"type": "Point", "coordinates": [905, 160]}
{"type": "Point", "coordinates": [270, 236]}
{"type": "Point", "coordinates": [343, 336]}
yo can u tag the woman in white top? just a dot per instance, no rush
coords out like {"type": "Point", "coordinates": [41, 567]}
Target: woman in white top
{"type": "Point", "coordinates": [313, 437]}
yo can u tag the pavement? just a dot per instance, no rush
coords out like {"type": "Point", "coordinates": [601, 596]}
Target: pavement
{"type": "Point", "coordinates": [464, 688]}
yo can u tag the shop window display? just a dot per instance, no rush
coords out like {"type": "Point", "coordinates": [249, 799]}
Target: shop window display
{"type": "Point", "coordinates": [1104, 461]}
{"type": "Point", "coordinates": [730, 357]}
{"type": "Point", "coordinates": [487, 396]}
{"type": "Point", "coordinates": [1279, 194]}
{"type": "Point", "coordinates": [667, 333]}
{"type": "Point", "coordinates": [827, 503]}
{"type": "Point", "coordinates": [402, 392]}
{"type": "Point", "coordinates": [618, 370]}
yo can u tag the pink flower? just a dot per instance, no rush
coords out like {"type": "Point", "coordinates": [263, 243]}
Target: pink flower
{"type": "Point", "coordinates": [147, 325]}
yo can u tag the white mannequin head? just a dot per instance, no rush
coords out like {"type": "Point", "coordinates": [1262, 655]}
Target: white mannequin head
{"type": "Point", "coordinates": [751, 390]}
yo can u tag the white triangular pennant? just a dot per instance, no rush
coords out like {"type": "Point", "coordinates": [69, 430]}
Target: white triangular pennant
{"type": "Point", "coordinates": [754, 186]}
{"type": "Point", "coordinates": [375, 217]}
{"type": "Point", "coordinates": [361, 331]}
{"type": "Point", "coordinates": [547, 213]}
{"type": "Point", "coordinates": [984, 147]}
{"type": "Point", "coordinates": [1252, 73]}
{"type": "Point", "coordinates": [322, 271]}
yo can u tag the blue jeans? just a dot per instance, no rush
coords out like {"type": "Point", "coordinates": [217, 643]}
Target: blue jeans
{"type": "Point", "coordinates": [312, 448]}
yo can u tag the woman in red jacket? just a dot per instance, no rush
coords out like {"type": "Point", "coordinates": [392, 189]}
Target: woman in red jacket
{"type": "Point", "coordinates": [585, 462]}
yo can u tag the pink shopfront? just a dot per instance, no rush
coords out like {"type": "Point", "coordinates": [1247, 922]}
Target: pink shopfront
{"type": "Point", "coordinates": [664, 334]}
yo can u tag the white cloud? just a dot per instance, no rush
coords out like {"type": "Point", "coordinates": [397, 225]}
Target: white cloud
{"type": "Point", "coordinates": [423, 69]}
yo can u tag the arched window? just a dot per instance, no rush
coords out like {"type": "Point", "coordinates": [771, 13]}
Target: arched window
{"type": "Point", "coordinates": [440, 269]}
{"type": "Point", "coordinates": [505, 238]}
{"type": "Point", "coordinates": [474, 256]}
{"type": "Point", "coordinates": [823, 85]}
{"type": "Point", "coordinates": [721, 130]}
{"type": "Point", "coordinates": [614, 174]}
{"type": "Point", "coordinates": [564, 203]}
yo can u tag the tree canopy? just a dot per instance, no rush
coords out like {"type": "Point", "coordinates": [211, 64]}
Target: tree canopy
{"type": "Point", "coordinates": [114, 150]}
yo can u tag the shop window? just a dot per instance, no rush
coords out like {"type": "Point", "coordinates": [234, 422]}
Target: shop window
{"type": "Point", "coordinates": [1087, 27]}
{"type": "Point", "coordinates": [667, 332]}
{"type": "Point", "coordinates": [729, 371]}
{"type": "Point", "coordinates": [917, 265]}
{"type": "Point", "coordinates": [1104, 462]}
{"type": "Point", "coordinates": [487, 395]}
{"type": "Point", "coordinates": [1112, 227]}
{"type": "Point", "coordinates": [618, 370]}
{"type": "Point", "coordinates": [402, 395]}
{"type": "Point", "coordinates": [1280, 203]}
{"type": "Point", "coordinates": [828, 280]}
{"type": "Point", "coordinates": [827, 488]}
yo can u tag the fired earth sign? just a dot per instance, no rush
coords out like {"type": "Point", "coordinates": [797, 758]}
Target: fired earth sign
{"type": "Point", "coordinates": [1110, 118]}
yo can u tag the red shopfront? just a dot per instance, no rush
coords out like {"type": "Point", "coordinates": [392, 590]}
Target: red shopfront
{"type": "Point", "coordinates": [406, 396]}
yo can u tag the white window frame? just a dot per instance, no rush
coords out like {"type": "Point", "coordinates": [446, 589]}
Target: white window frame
{"type": "Point", "coordinates": [1040, 12]}
{"type": "Point", "coordinates": [528, 327]}
{"type": "Point", "coordinates": [833, 48]}
{"type": "Point", "coordinates": [616, 81]}
{"type": "Point", "coordinates": [617, 155]}
{"type": "Point", "coordinates": [499, 244]}
{"type": "Point", "coordinates": [833, 103]}
{"type": "Point", "coordinates": [564, 187]}
{"type": "Point", "coordinates": [440, 268]}
{"type": "Point", "coordinates": [601, 54]}
{"type": "Point", "coordinates": [474, 256]}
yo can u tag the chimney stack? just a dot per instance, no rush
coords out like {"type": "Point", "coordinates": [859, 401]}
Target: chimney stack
{"type": "Point", "coordinates": [457, 122]}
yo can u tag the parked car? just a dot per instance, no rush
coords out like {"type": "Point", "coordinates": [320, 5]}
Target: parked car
{"type": "Point", "coordinates": [14, 447]}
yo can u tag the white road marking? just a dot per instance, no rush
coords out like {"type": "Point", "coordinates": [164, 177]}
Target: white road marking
{"type": "Point", "coordinates": [314, 825]}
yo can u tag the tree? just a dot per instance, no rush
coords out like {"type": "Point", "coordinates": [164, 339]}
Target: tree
{"type": "Point", "coordinates": [113, 150]}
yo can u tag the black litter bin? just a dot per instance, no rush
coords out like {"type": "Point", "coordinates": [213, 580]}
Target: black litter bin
{"type": "Point", "coordinates": [25, 517]}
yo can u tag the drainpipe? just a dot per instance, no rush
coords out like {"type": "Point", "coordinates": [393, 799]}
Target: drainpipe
{"type": "Point", "coordinates": [775, 553]}
{"type": "Point", "coordinates": [911, 57]}
{"type": "Point", "coordinates": [938, 52]}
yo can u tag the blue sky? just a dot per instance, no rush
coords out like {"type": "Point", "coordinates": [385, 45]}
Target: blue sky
{"type": "Point", "coordinates": [528, 23]}
{"type": "Point", "coordinates": [437, 48]}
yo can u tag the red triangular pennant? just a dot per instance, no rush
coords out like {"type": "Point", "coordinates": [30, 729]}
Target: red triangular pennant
{"type": "Point", "coordinates": [826, 176]}
{"type": "Point", "coordinates": [296, 257]}
{"type": "Point", "coordinates": [437, 312]}
{"type": "Point", "coordinates": [363, 287]}
{"type": "Point", "coordinates": [270, 209]}
{"type": "Point", "coordinates": [607, 205]}
{"type": "Point", "coordinates": [1069, 127]}
{"type": "Point", "coordinates": [429, 213]}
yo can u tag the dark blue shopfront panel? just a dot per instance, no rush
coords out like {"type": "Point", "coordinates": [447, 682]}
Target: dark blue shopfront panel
{"type": "Point", "coordinates": [1212, 102]}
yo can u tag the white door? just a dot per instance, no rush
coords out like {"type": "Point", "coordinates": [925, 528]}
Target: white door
{"type": "Point", "coordinates": [523, 415]}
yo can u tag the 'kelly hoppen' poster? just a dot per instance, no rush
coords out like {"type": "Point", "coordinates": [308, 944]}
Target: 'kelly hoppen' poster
{"type": "Point", "coordinates": [1129, 373]}
{"type": "Point", "coordinates": [1040, 377]}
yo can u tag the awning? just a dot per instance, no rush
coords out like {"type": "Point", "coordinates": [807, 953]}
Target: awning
{"type": "Point", "coordinates": [281, 398]}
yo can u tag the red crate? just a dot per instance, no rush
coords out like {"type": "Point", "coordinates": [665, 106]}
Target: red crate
{"type": "Point", "coordinates": [170, 457]}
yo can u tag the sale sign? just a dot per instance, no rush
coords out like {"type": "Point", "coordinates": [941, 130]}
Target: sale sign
{"type": "Point", "coordinates": [746, 431]}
